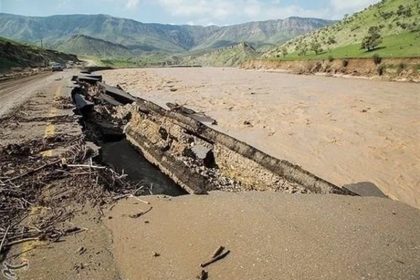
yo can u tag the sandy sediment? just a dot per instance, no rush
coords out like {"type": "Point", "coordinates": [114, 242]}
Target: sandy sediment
{"type": "Point", "coordinates": [269, 235]}
{"type": "Point", "coordinates": [343, 130]}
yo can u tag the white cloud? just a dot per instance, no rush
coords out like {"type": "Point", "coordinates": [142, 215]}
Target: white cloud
{"type": "Point", "coordinates": [132, 4]}
{"type": "Point", "coordinates": [341, 7]}
{"type": "Point", "coordinates": [230, 11]}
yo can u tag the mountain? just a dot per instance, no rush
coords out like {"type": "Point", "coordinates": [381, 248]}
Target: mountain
{"type": "Point", "coordinates": [13, 54]}
{"type": "Point", "coordinates": [228, 56]}
{"type": "Point", "coordinates": [396, 21]}
{"type": "Point", "coordinates": [148, 37]}
{"type": "Point", "coordinates": [89, 46]}
{"type": "Point", "coordinates": [263, 32]}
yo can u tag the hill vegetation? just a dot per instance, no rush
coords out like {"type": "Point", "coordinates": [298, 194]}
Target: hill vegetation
{"type": "Point", "coordinates": [13, 54]}
{"type": "Point", "coordinates": [88, 46]}
{"type": "Point", "coordinates": [229, 56]}
{"type": "Point", "coordinates": [390, 28]}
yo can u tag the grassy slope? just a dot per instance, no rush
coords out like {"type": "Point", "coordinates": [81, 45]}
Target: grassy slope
{"type": "Point", "coordinates": [230, 56]}
{"type": "Point", "coordinates": [348, 34]}
{"type": "Point", "coordinates": [89, 46]}
{"type": "Point", "coordinates": [13, 54]}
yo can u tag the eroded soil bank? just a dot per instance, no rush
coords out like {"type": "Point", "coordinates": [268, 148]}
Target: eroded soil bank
{"type": "Point", "coordinates": [395, 69]}
{"type": "Point", "coordinates": [343, 130]}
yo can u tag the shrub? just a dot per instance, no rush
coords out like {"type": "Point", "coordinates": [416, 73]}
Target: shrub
{"type": "Point", "coordinates": [372, 40]}
{"type": "Point", "coordinates": [377, 59]}
{"type": "Point", "coordinates": [316, 47]}
{"type": "Point", "coordinates": [400, 67]}
{"type": "Point", "coordinates": [381, 69]}
{"type": "Point", "coordinates": [284, 51]}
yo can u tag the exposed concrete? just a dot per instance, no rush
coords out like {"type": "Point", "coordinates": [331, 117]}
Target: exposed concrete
{"type": "Point", "coordinates": [164, 135]}
{"type": "Point", "coordinates": [193, 154]}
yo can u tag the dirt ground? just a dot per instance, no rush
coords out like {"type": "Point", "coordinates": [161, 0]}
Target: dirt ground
{"type": "Point", "coordinates": [344, 130]}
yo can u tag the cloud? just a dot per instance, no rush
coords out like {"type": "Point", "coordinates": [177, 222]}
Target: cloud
{"type": "Point", "coordinates": [232, 11]}
{"type": "Point", "coordinates": [132, 4]}
{"type": "Point", "coordinates": [340, 7]}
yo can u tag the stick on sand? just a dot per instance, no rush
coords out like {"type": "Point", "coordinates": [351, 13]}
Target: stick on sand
{"type": "Point", "coordinates": [219, 257]}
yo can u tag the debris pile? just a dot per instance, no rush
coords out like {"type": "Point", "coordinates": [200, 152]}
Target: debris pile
{"type": "Point", "coordinates": [35, 190]}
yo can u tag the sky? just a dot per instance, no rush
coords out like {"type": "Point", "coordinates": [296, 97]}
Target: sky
{"type": "Point", "coordinates": [196, 12]}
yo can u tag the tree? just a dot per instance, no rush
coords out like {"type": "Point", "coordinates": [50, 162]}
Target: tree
{"type": "Point", "coordinates": [316, 47]}
{"type": "Point", "coordinates": [331, 40]}
{"type": "Point", "coordinates": [372, 40]}
{"type": "Point", "coordinates": [284, 51]}
{"type": "Point", "coordinates": [302, 50]}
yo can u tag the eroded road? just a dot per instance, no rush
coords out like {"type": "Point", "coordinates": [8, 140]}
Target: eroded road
{"type": "Point", "coordinates": [38, 127]}
{"type": "Point", "coordinates": [270, 235]}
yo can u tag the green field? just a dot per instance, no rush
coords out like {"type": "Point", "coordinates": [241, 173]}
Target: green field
{"type": "Point", "coordinates": [401, 45]}
{"type": "Point", "coordinates": [398, 22]}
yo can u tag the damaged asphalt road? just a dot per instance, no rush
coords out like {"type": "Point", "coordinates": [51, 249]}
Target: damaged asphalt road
{"type": "Point", "coordinates": [67, 216]}
{"type": "Point", "coordinates": [50, 190]}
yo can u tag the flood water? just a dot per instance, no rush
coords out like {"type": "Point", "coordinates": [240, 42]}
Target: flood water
{"type": "Point", "coordinates": [122, 156]}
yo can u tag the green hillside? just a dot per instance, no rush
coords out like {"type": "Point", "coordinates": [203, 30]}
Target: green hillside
{"type": "Point", "coordinates": [397, 22]}
{"type": "Point", "coordinates": [13, 54]}
{"type": "Point", "coordinates": [88, 46]}
{"type": "Point", "coordinates": [229, 56]}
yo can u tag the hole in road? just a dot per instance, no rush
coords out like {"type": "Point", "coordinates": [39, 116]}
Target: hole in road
{"type": "Point", "coordinates": [118, 153]}
{"type": "Point", "coordinates": [122, 156]}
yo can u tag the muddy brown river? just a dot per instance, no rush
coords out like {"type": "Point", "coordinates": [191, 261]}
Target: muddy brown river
{"type": "Point", "coordinates": [345, 130]}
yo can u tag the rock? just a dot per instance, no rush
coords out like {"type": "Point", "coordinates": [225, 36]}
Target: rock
{"type": "Point", "coordinates": [163, 133]}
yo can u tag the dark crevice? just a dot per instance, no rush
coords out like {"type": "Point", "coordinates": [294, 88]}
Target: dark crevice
{"type": "Point", "coordinates": [118, 153]}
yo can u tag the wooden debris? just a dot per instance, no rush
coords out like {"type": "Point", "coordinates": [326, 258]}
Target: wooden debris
{"type": "Point", "coordinates": [81, 250]}
{"type": "Point", "coordinates": [72, 177]}
{"type": "Point", "coordinates": [138, 215]}
{"type": "Point", "coordinates": [218, 252]}
{"type": "Point", "coordinates": [4, 238]}
{"type": "Point", "coordinates": [215, 259]}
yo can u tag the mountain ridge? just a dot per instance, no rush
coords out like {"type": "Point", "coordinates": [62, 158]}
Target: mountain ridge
{"type": "Point", "coordinates": [143, 37]}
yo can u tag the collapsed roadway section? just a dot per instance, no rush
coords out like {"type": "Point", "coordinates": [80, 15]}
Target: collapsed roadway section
{"type": "Point", "coordinates": [185, 145]}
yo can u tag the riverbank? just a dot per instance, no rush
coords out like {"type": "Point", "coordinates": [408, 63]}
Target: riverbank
{"type": "Point", "coordinates": [390, 69]}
